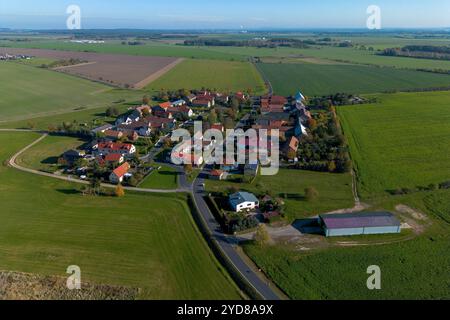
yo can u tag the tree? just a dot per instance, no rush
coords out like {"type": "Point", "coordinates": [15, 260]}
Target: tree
{"type": "Point", "coordinates": [120, 191]}
{"type": "Point", "coordinates": [311, 194]}
{"type": "Point", "coordinates": [331, 166]}
{"type": "Point", "coordinates": [145, 112]}
{"type": "Point", "coordinates": [234, 103]}
{"type": "Point", "coordinates": [112, 112]}
{"type": "Point", "coordinates": [262, 236]}
{"type": "Point", "coordinates": [146, 100]}
{"type": "Point", "coordinates": [188, 169]}
{"type": "Point", "coordinates": [212, 118]}
{"type": "Point", "coordinates": [291, 155]}
{"type": "Point", "coordinates": [95, 186]}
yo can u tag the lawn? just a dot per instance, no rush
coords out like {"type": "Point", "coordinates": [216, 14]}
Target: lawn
{"type": "Point", "coordinates": [142, 240]}
{"type": "Point", "coordinates": [414, 269]}
{"type": "Point", "coordinates": [321, 79]}
{"type": "Point", "coordinates": [401, 142]}
{"type": "Point", "coordinates": [335, 190]}
{"type": "Point", "coordinates": [28, 92]}
{"type": "Point", "coordinates": [220, 75]}
{"type": "Point", "coordinates": [163, 177]}
{"type": "Point", "coordinates": [44, 155]}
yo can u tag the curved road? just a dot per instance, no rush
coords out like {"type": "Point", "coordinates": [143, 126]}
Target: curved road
{"type": "Point", "coordinates": [225, 243]}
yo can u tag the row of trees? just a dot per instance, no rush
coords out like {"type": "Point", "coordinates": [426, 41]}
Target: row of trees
{"type": "Point", "coordinates": [325, 148]}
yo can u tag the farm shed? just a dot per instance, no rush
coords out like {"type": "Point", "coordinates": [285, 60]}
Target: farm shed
{"type": "Point", "coordinates": [359, 223]}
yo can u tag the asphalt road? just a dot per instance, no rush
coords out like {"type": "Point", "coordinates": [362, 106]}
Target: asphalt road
{"type": "Point", "coordinates": [226, 243]}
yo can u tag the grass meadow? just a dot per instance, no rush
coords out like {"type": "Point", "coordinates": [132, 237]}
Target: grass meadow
{"type": "Point", "coordinates": [163, 177]}
{"type": "Point", "coordinates": [401, 142]}
{"type": "Point", "coordinates": [413, 269]}
{"type": "Point", "coordinates": [28, 92]}
{"type": "Point", "coordinates": [220, 75]}
{"type": "Point", "coordinates": [44, 155]}
{"type": "Point", "coordinates": [320, 79]}
{"type": "Point", "coordinates": [142, 241]}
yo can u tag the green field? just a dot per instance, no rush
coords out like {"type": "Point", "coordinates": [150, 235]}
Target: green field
{"type": "Point", "coordinates": [163, 178]}
{"type": "Point", "coordinates": [367, 57]}
{"type": "Point", "coordinates": [115, 47]}
{"type": "Point", "coordinates": [334, 189]}
{"type": "Point", "coordinates": [44, 155]}
{"type": "Point", "coordinates": [28, 91]}
{"type": "Point", "coordinates": [414, 269]}
{"type": "Point", "coordinates": [401, 142]}
{"type": "Point", "coordinates": [220, 75]}
{"type": "Point", "coordinates": [316, 79]}
{"type": "Point", "coordinates": [142, 240]}
{"type": "Point", "coordinates": [91, 117]}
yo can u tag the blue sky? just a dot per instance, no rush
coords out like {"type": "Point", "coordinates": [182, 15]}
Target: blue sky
{"type": "Point", "coordinates": [224, 14]}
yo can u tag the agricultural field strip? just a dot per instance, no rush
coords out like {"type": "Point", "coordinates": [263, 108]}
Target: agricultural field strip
{"type": "Point", "coordinates": [112, 68]}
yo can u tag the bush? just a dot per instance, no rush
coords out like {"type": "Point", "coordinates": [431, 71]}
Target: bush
{"type": "Point", "coordinates": [311, 194]}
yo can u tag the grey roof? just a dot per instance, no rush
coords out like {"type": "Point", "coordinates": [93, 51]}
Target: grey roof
{"type": "Point", "coordinates": [273, 116]}
{"type": "Point", "coordinates": [241, 197]}
{"type": "Point", "coordinates": [102, 128]}
{"type": "Point", "coordinates": [360, 220]}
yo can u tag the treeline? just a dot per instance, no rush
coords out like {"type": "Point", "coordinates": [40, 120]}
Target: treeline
{"type": "Point", "coordinates": [421, 52]}
{"type": "Point", "coordinates": [258, 43]}
{"type": "Point", "coordinates": [325, 148]}
{"type": "Point", "coordinates": [63, 63]}
{"type": "Point", "coordinates": [432, 187]}
{"type": "Point", "coordinates": [338, 99]}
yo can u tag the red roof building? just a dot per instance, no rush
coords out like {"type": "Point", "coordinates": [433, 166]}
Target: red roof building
{"type": "Point", "coordinates": [118, 174]}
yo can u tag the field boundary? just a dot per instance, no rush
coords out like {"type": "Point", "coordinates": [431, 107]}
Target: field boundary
{"type": "Point", "coordinates": [155, 76]}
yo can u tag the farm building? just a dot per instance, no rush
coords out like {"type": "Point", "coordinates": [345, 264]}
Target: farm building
{"type": "Point", "coordinates": [359, 223]}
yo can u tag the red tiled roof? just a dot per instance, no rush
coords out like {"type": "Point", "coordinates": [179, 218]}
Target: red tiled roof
{"type": "Point", "coordinates": [113, 157]}
{"type": "Point", "coordinates": [217, 173]}
{"type": "Point", "coordinates": [165, 105]}
{"type": "Point", "coordinates": [115, 146]}
{"type": "Point", "coordinates": [113, 133]}
{"type": "Point", "coordinates": [217, 126]}
{"type": "Point", "coordinates": [122, 170]}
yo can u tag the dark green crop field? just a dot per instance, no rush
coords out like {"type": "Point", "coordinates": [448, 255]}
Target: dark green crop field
{"type": "Point", "coordinates": [316, 79]}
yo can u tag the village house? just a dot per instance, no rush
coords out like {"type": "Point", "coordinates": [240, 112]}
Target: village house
{"type": "Point", "coordinates": [182, 110]}
{"type": "Point", "coordinates": [124, 149]}
{"type": "Point", "coordinates": [241, 96]}
{"type": "Point", "coordinates": [273, 104]}
{"type": "Point", "coordinates": [178, 103]}
{"type": "Point", "coordinates": [142, 128]}
{"type": "Point", "coordinates": [118, 174]}
{"type": "Point", "coordinates": [114, 135]}
{"type": "Point", "coordinates": [191, 98]}
{"type": "Point", "coordinates": [241, 201]}
{"type": "Point", "coordinates": [218, 126]}
{"type": "Point", "coordinates": [101, 129]}
{"type": "Point", "coordinates": [290, 147]}
{"type": "Point", "coordinates": [134, 116]}
{"type": "Point", "coordinates": [217, 175]}
{"type": "Point", "coordinates": [110, 159]}
{"type": "Point", "coordinates": [204, 99]}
